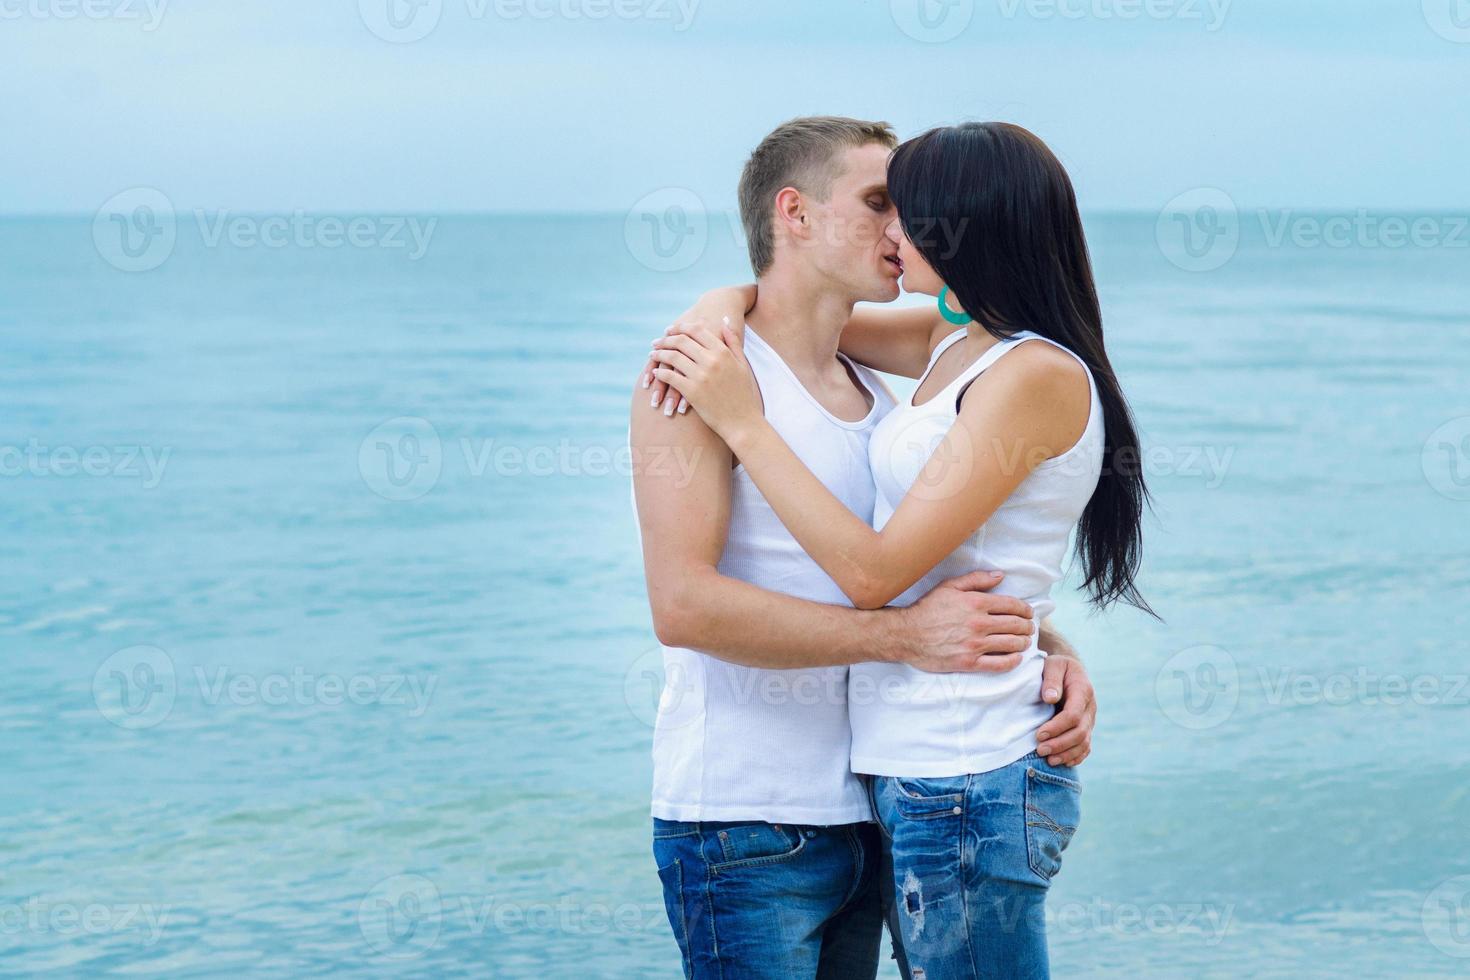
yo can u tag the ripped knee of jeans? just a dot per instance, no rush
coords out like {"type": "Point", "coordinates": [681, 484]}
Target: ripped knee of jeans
{"type": "Point", "coordinates": [912, 894]}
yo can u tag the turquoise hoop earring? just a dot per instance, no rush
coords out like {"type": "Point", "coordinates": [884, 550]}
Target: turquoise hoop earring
{"type": "Point", "coordinates": [958, 319]}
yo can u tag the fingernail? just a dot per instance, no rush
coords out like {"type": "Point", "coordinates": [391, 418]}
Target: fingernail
{"type": "Point", "coordinates": [1051, 692]}
{"type": "Point", "coordinates": [1055, 760]}
{"type": "Point", "coordinates": [653, 402]}
{"type": "Point", "coordinates": [669, 406]}
{"type": "Point", "coordinates": [683, 407]}
{"type": "Point", "coordinates": [647, 380]}
{"type": "Point", "coordinates": [1043, 735]}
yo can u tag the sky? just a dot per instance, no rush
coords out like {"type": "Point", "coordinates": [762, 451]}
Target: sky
{"type": "Point", "coordinates": [574, 105]}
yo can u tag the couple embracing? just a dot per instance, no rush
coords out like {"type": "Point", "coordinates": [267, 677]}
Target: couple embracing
{"type": "Point", "coordinates": [867, 714]}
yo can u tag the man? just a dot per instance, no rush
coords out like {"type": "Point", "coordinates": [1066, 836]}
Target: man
{"type": "Point", "coordinates": [762, 835]}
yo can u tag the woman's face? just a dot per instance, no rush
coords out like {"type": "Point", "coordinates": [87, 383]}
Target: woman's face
{"type": "Point", "coordinates": [918, 275]}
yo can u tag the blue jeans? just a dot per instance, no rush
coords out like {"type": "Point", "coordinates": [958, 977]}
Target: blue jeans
{"type": "Point", "coordinates": [750, 901]}
{"type": "Point", "coordinates": [972, 858]}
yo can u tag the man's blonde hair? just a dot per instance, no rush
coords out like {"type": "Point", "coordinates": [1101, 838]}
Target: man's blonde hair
{"type": "Point", "coordinates": [805, 154]}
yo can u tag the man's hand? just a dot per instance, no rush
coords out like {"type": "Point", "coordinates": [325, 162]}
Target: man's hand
{"type": "Point", "coordinates": [1067, 739]}
{"type": "Point", "coordinates": [959, 627]}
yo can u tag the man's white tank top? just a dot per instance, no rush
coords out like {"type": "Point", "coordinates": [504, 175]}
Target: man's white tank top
{"type": "Point", "coordinates": [742, 743]}
{"type": "Point", "coordinates": [909, 723]}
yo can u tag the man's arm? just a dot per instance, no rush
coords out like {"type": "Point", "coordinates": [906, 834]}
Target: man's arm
{"type": "Point", "coordinates": [1066, 739]}
{"type": "Point", "coordinates": [681, 480]}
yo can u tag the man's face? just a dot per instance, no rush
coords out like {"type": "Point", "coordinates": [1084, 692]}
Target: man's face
{"type": "Point", "coordinates": [849, 239]}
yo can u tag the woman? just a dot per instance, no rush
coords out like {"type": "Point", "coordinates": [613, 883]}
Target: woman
{"type": "Point", "coordinates": [1017, 434]}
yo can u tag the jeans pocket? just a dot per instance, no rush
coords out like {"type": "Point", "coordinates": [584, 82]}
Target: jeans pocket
{"type": "Point", "coordinates": [928, 799]}
{"type": "Point", "coordinates": [672, 877]}
{"type": "Point", "coordinates": [673, 829]}
{"type": "Point", "coordinates": [743, 845]}
{"type": "Point", "coordinates": [1053, 808]}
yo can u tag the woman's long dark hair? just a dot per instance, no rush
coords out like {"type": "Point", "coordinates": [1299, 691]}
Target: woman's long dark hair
{"type": "Point", "coordinates": [992, 209]}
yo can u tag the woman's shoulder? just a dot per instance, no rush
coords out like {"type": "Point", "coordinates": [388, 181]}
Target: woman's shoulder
{"type": "Point", "coordinates": [940, 332]}
{"type": "Point", "coordinates": [1038, 375]}
{"type": "Point", "coordinates": [1044, 361]}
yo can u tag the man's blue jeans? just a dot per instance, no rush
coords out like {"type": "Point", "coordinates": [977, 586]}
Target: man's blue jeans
{"type": "Point", "coordinates": [972, 858]}
{"type": "Point", "coordinates": [751, 901]}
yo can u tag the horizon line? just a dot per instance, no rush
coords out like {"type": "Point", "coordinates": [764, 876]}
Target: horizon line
{"type": "Point", "coordinates": [614, 213]}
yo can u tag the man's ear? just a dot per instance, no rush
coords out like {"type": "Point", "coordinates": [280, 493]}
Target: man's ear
{"type": "Point", "coordinates": [791, 214]}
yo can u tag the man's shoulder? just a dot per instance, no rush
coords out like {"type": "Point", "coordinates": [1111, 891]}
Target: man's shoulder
{"type": "Point", "coordinates": [650, 428]}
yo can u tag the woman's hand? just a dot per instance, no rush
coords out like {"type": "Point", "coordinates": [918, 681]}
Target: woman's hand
{"type": "Point", "coordinates": [709, 369]}
{"type": "Point", "coordinates": [727, 305]}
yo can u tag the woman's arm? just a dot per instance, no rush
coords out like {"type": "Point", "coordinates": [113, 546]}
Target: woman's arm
{"type": "Point", "coordinates": [894, 340]}
{"type": "Point", "coordinates": [1031, 406]}
{"type": "Point", "coordinates": [683, 518]}
{"type": "Point", "coordinates": [889, 339]}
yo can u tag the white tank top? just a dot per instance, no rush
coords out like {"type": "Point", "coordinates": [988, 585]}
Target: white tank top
{"type": "Point", "coordinates": [742, 743]}
{"type": "Point", "coordinates": [909, 723]}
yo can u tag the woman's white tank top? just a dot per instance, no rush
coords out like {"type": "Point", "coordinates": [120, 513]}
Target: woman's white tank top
{"type": "Point", "coordinates": [909, 723]}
